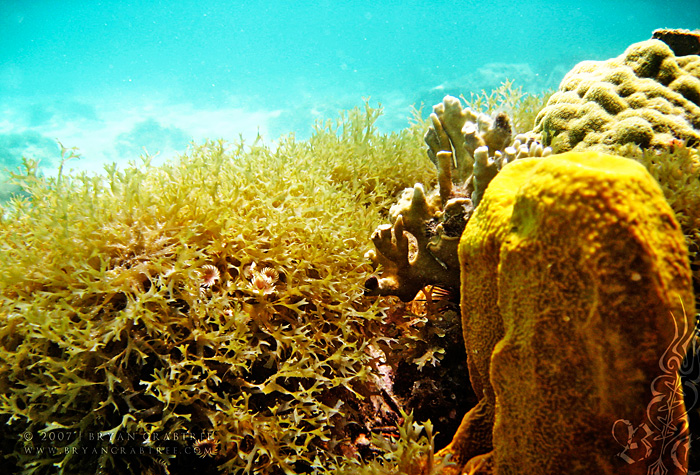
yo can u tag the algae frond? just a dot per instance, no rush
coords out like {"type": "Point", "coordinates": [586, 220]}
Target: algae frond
{"type": "Point", "coordinates": [132, 330]}
{"type": "Point", "coordinates": [521, 107]}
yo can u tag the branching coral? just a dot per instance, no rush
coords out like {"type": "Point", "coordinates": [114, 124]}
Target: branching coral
{"type": "Point", "coordinates": [419, 248]}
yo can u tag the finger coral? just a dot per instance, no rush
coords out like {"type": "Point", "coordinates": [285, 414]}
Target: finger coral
{"type": "Point", "coordinates": [419, 247]}
{"type": "Point", "coordinates": [575, 287]}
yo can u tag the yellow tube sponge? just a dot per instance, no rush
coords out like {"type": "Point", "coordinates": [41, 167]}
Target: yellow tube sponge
{"type": "Point", "coordinates": [575, 281]}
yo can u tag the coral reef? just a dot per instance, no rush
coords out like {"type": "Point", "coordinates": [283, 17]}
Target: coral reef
{"type": "Point", "coordinates": [564, 256]}
{"type": "Point", "coordinates": [210, 314]}
{"type": "Point", "coordinates": [466, 166]}
{"type": "Point", "coordinates": [646, 96]}
{"type": "Point", "coordinates": [419, 247]}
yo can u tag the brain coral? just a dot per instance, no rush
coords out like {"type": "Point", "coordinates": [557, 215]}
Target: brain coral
{"type": "Point", "coordinates": [647, 96]}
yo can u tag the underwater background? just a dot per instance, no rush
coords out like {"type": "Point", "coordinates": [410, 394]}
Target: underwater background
{"type": "Point", "coordinates": [214, 287]}
{"type": "Point", "coordinates": [115, 78]}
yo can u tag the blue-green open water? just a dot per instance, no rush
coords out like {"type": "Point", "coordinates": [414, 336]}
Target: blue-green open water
{"type": "Point", "coordinates": [115, 77]}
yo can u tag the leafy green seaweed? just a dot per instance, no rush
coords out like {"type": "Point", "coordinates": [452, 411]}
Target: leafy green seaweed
{"type": "Point", "coordinates": [220, 293]}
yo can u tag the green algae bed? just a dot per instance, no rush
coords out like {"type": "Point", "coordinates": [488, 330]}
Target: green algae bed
{"type": "Point", "coordinates": [208, 314]}
{"type": "Point", "coordinates": [205, 313]}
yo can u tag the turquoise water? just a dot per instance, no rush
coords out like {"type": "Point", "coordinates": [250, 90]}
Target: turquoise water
{"type": "Point", "coordinates": [115, 77]}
